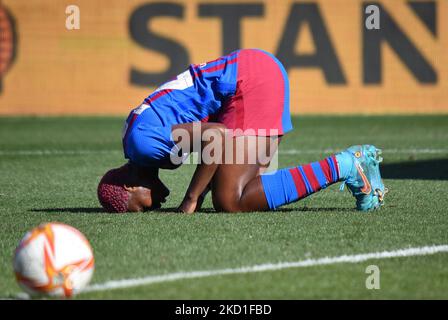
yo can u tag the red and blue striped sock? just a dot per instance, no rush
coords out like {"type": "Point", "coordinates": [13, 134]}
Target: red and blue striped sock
{"type": "Point", "coordinates": [292, 184]}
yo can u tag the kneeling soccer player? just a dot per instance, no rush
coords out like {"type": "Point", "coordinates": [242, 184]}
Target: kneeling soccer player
{"type": "Point", "coordinates": [242, 98]}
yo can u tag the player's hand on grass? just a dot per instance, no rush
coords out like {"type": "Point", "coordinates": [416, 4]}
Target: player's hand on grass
{"type": "Point", "coordinates": [188, 205]}
{"type": "Point", "coordinates": [192, 204]}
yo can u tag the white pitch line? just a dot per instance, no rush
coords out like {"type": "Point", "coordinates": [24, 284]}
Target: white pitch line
{"type": "Point", "coordinates": [127, 283]}
{"type": "Point", "coordinates": [286, 151]}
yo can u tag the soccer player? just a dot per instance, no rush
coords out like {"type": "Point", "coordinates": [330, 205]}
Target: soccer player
{"type": "Point", "coordinates": [243, 98]}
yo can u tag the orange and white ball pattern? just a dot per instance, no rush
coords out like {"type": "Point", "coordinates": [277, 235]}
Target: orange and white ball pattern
{"type": "Point", "coordinates": [53, 259]}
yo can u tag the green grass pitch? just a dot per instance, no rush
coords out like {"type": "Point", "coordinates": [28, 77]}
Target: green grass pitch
{"type": "Point", "coordinates": [50, 167]}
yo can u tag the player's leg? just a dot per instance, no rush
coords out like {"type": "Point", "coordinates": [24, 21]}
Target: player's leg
{"type": "Point", "coordinates": [260, 104]}
{"type": "Point", "coordinates": [357, 167]}
{"type": "Point", "coordinates": [234, 181]}
{"type": "Point", "coordinates": [238, 188]}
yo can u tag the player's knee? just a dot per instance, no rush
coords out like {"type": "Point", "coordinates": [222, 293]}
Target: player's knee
{"type": "Point", "coordinates": [223, 203]}
{"type": "Point", "coordinates": [232, 209]}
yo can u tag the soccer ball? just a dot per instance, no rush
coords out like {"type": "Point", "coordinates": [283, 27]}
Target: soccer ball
{"type": "Point", "coordinates": [53, 259]}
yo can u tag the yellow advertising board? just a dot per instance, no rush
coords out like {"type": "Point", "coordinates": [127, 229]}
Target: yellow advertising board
{"type": "Point", "coordinates": [336, 61]}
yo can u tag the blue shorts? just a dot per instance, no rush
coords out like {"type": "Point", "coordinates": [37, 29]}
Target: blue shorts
{"type": "Point", "coordinates": [146, 141]}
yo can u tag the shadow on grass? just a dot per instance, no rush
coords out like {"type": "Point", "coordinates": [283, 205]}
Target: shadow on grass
{"type": "Point", "coordinates": [435, 169]}
{"type": "Point", "coordinates": [94, 210]}
{"type": "Point", "coordinates": [298, 210]}
{"type": "Point", "coordinates": [321, 209]}
{"type": "Point", "coordinates": [172, 210]}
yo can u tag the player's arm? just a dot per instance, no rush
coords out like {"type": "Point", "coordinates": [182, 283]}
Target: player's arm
{"type": "Point", "coordinates": [193, 134]}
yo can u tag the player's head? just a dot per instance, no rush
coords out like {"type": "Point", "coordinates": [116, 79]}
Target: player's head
{"type": "Point", "coordinates": [131, 189]}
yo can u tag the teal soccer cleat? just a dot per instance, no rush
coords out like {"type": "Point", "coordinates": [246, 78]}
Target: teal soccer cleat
{"type": "Point", "coordinates": [364, 178]}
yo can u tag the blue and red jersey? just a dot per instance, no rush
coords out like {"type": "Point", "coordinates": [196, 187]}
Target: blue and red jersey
{"type": "Point", "coordinates": [246, 89]}
{"type": "Point", "coordinates": [196, 93]}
